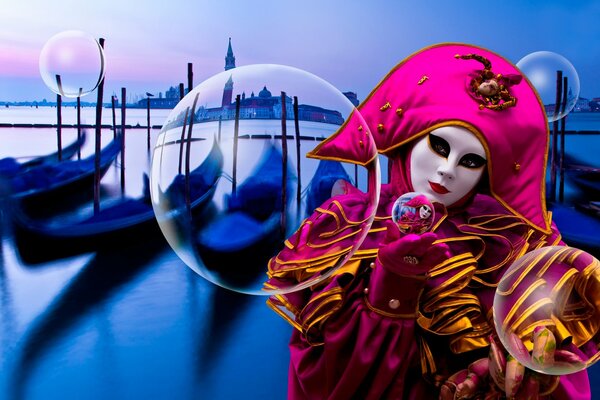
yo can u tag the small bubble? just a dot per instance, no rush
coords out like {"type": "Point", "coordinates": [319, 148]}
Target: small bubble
{"type": "Point", "coordinates": [413, 213]}
{"type": "Point", "coordinates": [540, 68]}
{"type": "Point", "coordinates": [72, 63]}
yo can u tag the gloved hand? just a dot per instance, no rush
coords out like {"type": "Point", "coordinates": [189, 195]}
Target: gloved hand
{"type": "Point", "coordinates": [400, 270]}
{"type": "Point", "coordinates": [410, 254]}
{"type": "Point", "coordinates": [509, 378]}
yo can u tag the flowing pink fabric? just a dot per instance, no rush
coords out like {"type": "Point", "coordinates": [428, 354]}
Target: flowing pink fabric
{"type": "Point", "coordinates": [366, 355]}
{"type": "Point", "coordinates": [343, 347]}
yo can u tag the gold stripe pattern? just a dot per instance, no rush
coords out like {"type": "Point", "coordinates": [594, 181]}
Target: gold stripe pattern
{"type": "Point", "coordinates": [558, 289]}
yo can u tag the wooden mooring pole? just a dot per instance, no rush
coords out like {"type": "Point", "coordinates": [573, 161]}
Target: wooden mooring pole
{"type": "Point", "coordinates": [98, 141]}
{"type": "Point", "coordinates": [114, 116]}
{"type": "Point", "coordinates": [563, 120]}
{"type": "Point", "coordinates": [182, 140]}
{"type": "Point", "coordinates": [123, 117]}
{"type": "Point", "coordinates": [298, 159]}
{"type": "Point", "coordinates": [284, 151]}
{"type": "Point", "coordinates": [236, 134]}
{"type": "Point", "coordinates": [59, 125]}
{"type": "Point", "coordinates": [188, 150]}
{"type": "Point", "coordinates": [553, 154]}
{"type": "Point", "coordinates": [190, 77]}
{"type": "Point", "coordinates": [79, 124]}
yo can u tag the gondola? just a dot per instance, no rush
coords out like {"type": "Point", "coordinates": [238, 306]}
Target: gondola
{"type": "Point", "coordinates": [10, 167]}
{"type": "Point", "coordinates": [321, 185]}
{"type": "Point", "coordinates": [578, 228]}
{"type": "Point", "coordinates": [119, 222]}
{"type": "Point", "coordinates": [249, 229]}
{"type": "Point", "coordinates": [201, 186]}
{"type": "Point", "coordinates": [585, 177]}
{"type": "Point", "coordinates": [54, 184]}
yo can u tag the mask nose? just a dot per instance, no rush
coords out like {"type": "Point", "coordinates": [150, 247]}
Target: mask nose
{"type": "Point", "coordinates": [446, 172]}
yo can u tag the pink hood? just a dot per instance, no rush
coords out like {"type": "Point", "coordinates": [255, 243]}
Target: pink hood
{"type": "Point", "coordinates": [433, 88]}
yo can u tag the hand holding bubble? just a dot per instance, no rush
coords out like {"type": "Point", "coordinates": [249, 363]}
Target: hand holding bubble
{"type": "Point", "coordinates": [546, 310]}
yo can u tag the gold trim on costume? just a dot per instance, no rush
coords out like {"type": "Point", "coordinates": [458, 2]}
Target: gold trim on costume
{"type": "Point", "coordinates": [313, 152]}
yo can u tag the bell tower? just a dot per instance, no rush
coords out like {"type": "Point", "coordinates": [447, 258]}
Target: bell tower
{"type": "Point", "coordinates": [227, 93]}
{"type": "Point", "coordinates": [230, 58]}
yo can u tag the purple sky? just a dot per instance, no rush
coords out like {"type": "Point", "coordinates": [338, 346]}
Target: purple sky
{"type": "Point", "coordinates": [351, 44]}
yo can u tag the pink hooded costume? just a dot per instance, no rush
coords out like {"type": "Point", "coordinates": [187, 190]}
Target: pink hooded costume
{"type": "Point", "coordinates": [383, 329]}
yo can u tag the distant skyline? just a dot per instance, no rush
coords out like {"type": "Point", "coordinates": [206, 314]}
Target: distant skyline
{"type": "Point", "coordinates": [351, 44]}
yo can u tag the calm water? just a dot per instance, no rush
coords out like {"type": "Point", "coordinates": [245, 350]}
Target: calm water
{"type": "Point", "coordinates": [136, 322]}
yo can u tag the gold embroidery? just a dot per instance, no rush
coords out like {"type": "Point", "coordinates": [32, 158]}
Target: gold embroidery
{"type": "Point", "coordinates": [423, 79]}
{"type": "Point", "coordinates": [385, 106]}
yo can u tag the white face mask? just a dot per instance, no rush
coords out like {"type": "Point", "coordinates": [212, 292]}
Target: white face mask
{"type": "Point", "coordinates": [446, 164]}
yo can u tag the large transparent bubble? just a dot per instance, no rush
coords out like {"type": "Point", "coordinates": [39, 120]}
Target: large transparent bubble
{"type": "Point", "coordinates": [547, 310]}
{"type": "Point", "coordinates": [540, 68]}
{"type": "Point", "coordinates": [227, 190]}
{"type": "Point", "coordinates": [72, 63]}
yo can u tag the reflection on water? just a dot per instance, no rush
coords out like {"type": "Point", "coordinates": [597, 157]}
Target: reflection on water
{"type": "Point", "coordinates": [136, 323]}
{"type": "Point", "coordinates": [128, 322]}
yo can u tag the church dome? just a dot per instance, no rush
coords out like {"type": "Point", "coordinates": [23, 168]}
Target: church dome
{"type": "Point", "coordinates": [264, 93]}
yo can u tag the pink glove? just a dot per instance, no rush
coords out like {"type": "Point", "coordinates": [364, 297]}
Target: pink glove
{"type": "Point", "coordinates": [400, 270]}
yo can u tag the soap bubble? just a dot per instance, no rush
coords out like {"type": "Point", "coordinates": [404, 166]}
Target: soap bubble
{"type": "Point", "coordinates": [546, 310]}
{"type": "Point", "coordinates": [72, 63]}
{"type": "Point", "coordinates": [413, 213]}
{"type": "Point", "coordinates": [237, 203]}
{"type": "Point", "coordinates": [540, 68]}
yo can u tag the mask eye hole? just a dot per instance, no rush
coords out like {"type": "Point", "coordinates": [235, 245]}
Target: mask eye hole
{"type": "Point", "coordinates": [472, 160]}
{"type": "Point", "coordinates": [439, 145]}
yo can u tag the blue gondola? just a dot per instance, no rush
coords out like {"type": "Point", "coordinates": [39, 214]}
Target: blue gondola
{"type": "Point", "coordinates": [249, 228]}
{"type": "Point", "coordinates": [10, 167]}
{"type": "Point", "coordinates": [117, 223]}
{"type": "Point", "coordinates": [585, 177]}
{"type": "Point", "coordinates": [578, 229]}
{"type": "Point", "coordinates": [47, 185]}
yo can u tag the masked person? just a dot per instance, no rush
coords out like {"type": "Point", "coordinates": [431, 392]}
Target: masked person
{"type": "Point", "coordinates": [410, 316]}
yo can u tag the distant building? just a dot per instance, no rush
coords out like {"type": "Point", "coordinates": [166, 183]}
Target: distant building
{"type": "Point", "coordinates": [582, 105]}
{"type": "Point", "coordinates": [265, 106]}
{"type": "Point", "coordinates": [172, 93]}
{"type": "Point", "coordinates": [352, 97]}
{"type": "Point", "coordinates": [595, 104]}
{"type": "Point", "coordinates": [227, 91]}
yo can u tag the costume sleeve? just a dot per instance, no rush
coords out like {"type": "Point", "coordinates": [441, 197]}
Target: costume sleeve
{"type": "Point", "coordinates": [322, 245]}
{"type": "Point", "coordinates": [316, 258]}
